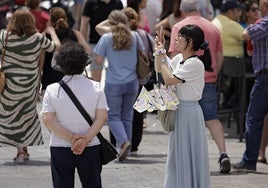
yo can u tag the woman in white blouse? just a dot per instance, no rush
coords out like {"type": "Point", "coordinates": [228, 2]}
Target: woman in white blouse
{"type": "Point", "coordinates": [73, 142]}
{"type": "Point", "coordinates": [187, 161]}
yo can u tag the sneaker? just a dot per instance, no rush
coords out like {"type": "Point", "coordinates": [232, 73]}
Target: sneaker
{"type": "Point", "coordinates": [225, 165]}
{"type": "Point", "coordinates": [124, 151]}
{"type": "Point", "coordinates": [242, 166]}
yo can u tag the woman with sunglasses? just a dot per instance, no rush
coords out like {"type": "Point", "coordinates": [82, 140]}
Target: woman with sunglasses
{"type": "Point", "coordinates": [250, 14]}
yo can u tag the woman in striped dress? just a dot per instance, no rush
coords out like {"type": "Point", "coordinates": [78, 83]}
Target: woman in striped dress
{"type": "Point", "coordinates": [21, 46]}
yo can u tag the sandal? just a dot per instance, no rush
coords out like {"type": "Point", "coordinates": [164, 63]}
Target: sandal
{"type": "Point", "coordinates": [26, 157]}
{"type": "Point", "coordinates": [262, 160]}
{"type": "Point", "coordinates": [20, 158]}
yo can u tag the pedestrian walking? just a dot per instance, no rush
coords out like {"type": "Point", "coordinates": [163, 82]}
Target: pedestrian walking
{"type": "Point", "coordinates": [22, 46]}
{"type": "Point", "coordinates": [121, 84]}
{"type": "Point", "coordinates": [258, 103]}
{"type": "Point", "coordinates": [93, 13]}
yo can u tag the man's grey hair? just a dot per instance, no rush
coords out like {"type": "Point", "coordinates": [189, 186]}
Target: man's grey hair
{"type": "Point", "coordinates": [189, 5]}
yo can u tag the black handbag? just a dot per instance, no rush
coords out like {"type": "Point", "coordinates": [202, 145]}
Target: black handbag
{"type": "Point", "coordinates": [108, 151]}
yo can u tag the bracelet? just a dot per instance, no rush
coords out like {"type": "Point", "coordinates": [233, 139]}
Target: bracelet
{"type": "Point", "coordinates": [159, 52]}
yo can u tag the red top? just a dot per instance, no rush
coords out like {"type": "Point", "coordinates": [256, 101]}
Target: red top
{"type": "Point", "coordinates": [41, 18]}
{"type": "Point", "coordinates": [20, 2]}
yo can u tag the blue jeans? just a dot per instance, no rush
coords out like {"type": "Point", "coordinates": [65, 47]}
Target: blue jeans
{"type": "Point", "coordinates": [120, 99]}
{"type": "Point", "coordinates": [257, 109]}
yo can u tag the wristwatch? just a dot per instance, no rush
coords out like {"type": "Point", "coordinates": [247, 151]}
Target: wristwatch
{"type": "Point", "coordinates": [163, 60]}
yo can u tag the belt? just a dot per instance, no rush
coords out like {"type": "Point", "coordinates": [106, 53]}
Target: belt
{"type": "Point", "coordinates": [262, 72]}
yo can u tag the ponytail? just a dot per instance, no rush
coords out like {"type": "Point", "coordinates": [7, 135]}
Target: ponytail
{"type": "Point", "coordinates": [206, 57]}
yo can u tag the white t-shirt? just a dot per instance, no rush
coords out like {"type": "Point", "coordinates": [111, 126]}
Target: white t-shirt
{"type": "Point", "coordinates": [90, 95]}
{"type": "Point", "coordinates": [192, 71]}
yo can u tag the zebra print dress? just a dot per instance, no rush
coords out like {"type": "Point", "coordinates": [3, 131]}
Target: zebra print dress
{"type": "Point", "coordinates": [19, 122]}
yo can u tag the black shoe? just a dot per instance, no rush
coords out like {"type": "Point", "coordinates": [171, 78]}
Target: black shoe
{"type": "Point", "coordinates": [225, 165]}
{"type": "Point", "coordinates": [241, 166]}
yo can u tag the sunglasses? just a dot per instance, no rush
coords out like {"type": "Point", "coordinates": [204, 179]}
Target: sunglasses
{"type": "Point", "coordinates": [254, 9]}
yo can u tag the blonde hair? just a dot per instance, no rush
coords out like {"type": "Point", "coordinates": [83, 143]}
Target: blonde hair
{"type": "Point", "coordinates": [22, 23]}
{"type": "Point", "coordinates": [58, 19]}
{"type": "Point", "coordinates": [122, 38]}
{"type": "Point", "coordinates": [133, 18]}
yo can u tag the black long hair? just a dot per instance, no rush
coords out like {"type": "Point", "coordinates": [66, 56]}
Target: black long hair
{"type": "Point", "coordinates": [195, 33]}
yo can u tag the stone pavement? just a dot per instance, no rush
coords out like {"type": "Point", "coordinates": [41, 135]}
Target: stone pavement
{"type": "Point", "coordinates": [143, 171]}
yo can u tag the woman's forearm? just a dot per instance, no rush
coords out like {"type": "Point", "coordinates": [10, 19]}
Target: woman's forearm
{"type": "Point", "coordinates": [103, 27]}
{"type": "Point", "coordinates": [57, 129]}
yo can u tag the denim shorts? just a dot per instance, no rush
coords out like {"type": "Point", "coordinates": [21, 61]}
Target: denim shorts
{"type": "Point", "coordinates": [209, 102]}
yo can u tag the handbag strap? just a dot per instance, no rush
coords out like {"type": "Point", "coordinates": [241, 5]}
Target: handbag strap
{"type": "Point", "coordinates": [149, 43]}
{"type": "Point", "coordinates": [79, 106]}
{"type": "Point", "coordinates": [4, 51]}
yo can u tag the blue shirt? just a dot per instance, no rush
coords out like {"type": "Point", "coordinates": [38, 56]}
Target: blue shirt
{"type": "Point", "coordinates": [122, 64]}
{"type": "Point", "coordinates": [258, 33]}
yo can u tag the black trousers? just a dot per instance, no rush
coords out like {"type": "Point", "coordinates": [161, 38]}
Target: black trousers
{"type": "Point", "coordinates": [137, 130]}
{"type": "Point", "coordinates": [64, 162]}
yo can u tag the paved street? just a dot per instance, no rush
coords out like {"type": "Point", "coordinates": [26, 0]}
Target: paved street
{"type": "Point", "coordinates": [143, 171]}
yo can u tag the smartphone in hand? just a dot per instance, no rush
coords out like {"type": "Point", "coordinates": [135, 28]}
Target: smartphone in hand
{"type": "Point", "coordinates": [161, 35]}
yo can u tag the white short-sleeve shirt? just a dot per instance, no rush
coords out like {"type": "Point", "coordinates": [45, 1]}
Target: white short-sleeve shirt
{"type": "Point", "coordinates": [91, 96]}
{"type": "Point", "coordinates": [192, 71]}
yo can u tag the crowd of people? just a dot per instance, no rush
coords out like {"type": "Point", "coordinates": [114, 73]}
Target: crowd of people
{"type": "Point", "coordinates": [41, 47]}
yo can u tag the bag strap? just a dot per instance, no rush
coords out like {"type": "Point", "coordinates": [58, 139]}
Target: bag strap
{"type": "Point", "coordinates": [137, 41]}
{"type": "Point", "coordinates": [3, 52]}
{"type": "Point", "coordinates": [150, 44]}
{"type": "Point", "coordinates": [79, 106]}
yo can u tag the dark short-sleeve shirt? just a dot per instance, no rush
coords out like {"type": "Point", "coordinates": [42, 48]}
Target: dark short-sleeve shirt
{"type": "Point", "coordinates": [99, 11]}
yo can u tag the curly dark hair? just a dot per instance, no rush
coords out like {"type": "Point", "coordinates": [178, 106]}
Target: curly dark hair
{"type": "Point", "coordinates": [71, 58]}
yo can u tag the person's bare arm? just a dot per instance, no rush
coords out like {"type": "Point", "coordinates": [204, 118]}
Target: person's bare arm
{"type": "Point", "coordinates": [163, 68]}
{"type": "Point", "coordinates": [83, 42]}
{"type": "Point", "coordinates": [98, 59]}
{"type": "Point", "coordinates": [165, 24]}
{"type": "Point", "coordinates": [81, 141]}
{"type": "Point", "coordinates": [219, 61]}
{"type": "Point", "coordinates": [84, 27]}
{"type": "Point", "coordinates": [51, 31]}
{"type": "Point", "coordinates": [49, 121]}
{"type": "Point", "coordinates": [245, 35]}
{"type": "Point", "coordinates": [103, 27]}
